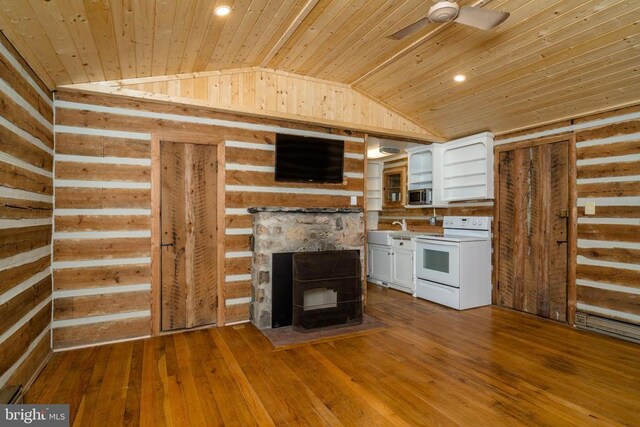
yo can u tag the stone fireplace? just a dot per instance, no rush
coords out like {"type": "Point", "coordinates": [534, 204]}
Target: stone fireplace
{"type": "Point", "coordinates": [293, 230]}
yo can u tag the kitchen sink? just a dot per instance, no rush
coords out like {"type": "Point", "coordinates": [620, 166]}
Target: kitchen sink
{"type": "Point", "coordinates": [379, 237]}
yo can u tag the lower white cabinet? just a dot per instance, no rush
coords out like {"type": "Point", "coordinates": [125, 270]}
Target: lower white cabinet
{"type": "Point", "coordinates": [402, 269]}
{"type": "Point", "coordinates": [380, 263]}
{"type": "Point", "coordinates": [393, 265]}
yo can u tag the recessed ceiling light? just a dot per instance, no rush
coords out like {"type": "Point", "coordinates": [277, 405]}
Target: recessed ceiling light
{"type": "Point", "coordinates": [222, 10]}
{"type": "Point", "coordinates": [459, 78]}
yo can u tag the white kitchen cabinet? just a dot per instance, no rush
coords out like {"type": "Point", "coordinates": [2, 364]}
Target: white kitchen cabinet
{"type": "Point", "coordinates": [374, 186]}
{"type": "Point", "coordinates": [402, 277]}
{"type": "Point", "coordinates": [420, 168]}
{"type": "Point", "coordinates": [425, 170]}
{"type": "Point", "coordinates": [467, 168]}
{"type": "Point", "coordinates": [380, 263]}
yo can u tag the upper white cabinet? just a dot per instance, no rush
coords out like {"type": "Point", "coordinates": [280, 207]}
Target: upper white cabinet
{"type": "Point", "coordinates": [456, 170]}
{"type": "Point", "coordinates": [425, 170]}
{"type": "Point", "coordinates": [467, 168]}
{"type": "Point", "coordinates": [420, 168]}
{"type": "Point", "coordinates": [374, 186]}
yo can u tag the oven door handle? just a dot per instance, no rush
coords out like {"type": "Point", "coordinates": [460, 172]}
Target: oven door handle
{"type": "Point", "coordinates": [423, 243]}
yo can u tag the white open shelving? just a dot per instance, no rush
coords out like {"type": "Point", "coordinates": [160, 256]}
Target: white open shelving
{"type": "Point", "coordinates": [374, 186]}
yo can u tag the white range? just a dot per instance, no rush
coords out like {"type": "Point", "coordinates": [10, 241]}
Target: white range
{"type": "Point", "coordinates": [455, 269]}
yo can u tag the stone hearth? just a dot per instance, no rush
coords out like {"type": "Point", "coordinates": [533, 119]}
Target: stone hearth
{"type": "Point", "coordinates": [278, 230]}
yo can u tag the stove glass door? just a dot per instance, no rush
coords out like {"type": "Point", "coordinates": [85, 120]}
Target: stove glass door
{"type": "Point", "coordinates": [438, 262]}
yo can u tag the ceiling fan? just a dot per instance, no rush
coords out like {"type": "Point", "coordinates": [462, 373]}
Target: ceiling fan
{"type": "Point", "coordinates": [446, 11]}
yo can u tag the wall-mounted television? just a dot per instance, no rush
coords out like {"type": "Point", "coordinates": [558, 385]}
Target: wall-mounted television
{"type": "Point", "coordinates": [307, 159]}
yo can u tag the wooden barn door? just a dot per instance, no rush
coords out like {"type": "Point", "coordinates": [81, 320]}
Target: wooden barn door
{"type": "Point", "coordinates": [533, 210]}
{"type": "Point", "coordinates": [188, 230]}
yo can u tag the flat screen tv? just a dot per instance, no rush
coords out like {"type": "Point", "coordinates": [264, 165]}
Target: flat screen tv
{"type": "Point", "coordinates": [306, 159]}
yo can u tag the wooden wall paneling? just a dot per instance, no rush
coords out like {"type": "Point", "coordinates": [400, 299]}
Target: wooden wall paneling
{"type": "Point", "coordinates": [98, 277]}
{"type": "Point", "coordinates": [101, 146]}
{"type": "Point", "coordinates": [16, 177]}
{"type": "Point", "coordinates": [24, 209]}
{"type": "Point", "coordinates": [242, 131]}
{"type": "Point", "coordinates": [237, 313]}
{"type": "Point", "coordinates": [20, 305]}
{"type": "Point", "coordinates": [18, 147]}
{"type": "Point", "coordinates": [100, 304]}
{"type": "Point", "coordinates": [613, 275]}
{"type": "Point", "coordinates": [101, 198]}
{"type": "Point", "coordinates": [608, 150]}
{"type": "Point", "coordinates": [34, 362]}
{"type": "Point", "coordinates": [604, 170]}
{"type": "Point", "coordinates": [14, 241]}
{"type": "Point", "coordinates": [14, 276]}
{"type": "Point", "coordinates": [615, 254]}
{"type": "Point", "coordinates": [22, 119]}
{"type": "Point", "coordinates": [102, 172]}
{"type": "Point", "coordinates": [238, 221]}
{"type": "Point", "coordinates": [237, 199]}
{"type": "Point", "coordinates": [102, 223]}
{"type": "Point", "coordinates": [97, 333]}
{"type": "Point", "coordinates": [107, 128]}
{"type": "Point", "coordinates": [241, 289]}
{"type": "Point", "coordinates": [610, 232]}
{"type": "Point", "coordinates": [14, 78]}
{"type": "Point", "coordinates": [266, 179]}
{"type": "Point", "coordinates": [17, 344]}
{"type": "Point", "coordinates": [26, 162]}
{"type": "Point", "coordinates": [94, 249]}
{"type": "Point", "coordinates": [609, 299]}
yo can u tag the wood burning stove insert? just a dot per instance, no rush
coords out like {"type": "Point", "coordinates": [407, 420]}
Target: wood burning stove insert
{"type": "Point", "coordinates": [313, 290]}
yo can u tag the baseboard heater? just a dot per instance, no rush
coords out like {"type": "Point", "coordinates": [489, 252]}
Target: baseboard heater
{"type": "Point", "coordinates": [615, 328]}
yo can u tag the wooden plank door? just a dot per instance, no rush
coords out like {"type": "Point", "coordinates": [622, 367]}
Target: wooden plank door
{"type": "Point", "coordinates": [188, 230]}
{"type": "Point", "coordinates": [533, 205]}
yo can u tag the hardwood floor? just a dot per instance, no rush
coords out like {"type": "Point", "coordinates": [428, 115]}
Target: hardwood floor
{"type": "Point", "coordinates": [432, 366]}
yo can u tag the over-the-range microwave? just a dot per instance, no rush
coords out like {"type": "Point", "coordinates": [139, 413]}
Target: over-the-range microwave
{"type": "Point", "coordinates": [421, 196]}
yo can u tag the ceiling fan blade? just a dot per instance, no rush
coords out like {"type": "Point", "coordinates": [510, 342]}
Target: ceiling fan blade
{"type": "Point", "coordinates": [483, 19]}
{"type": "Point", "coordinates": [409, 29]}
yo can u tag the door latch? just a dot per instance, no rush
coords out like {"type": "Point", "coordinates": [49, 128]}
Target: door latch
{"type": "Point", "coordinates": [162, 245]}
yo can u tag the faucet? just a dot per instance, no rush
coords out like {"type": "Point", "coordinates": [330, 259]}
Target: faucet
{"type": "Point", "coordinates": [403, 224]}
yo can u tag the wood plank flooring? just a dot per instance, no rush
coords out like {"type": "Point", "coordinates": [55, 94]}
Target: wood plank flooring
{"type": "Point", "coordinates": [432, 366]}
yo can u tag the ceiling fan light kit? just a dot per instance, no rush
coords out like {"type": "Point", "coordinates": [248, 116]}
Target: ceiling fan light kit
{"type": "Point", "coordinates": [443, 11]}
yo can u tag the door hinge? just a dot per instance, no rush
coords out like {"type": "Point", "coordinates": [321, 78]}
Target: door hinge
{"type": "Point", "coordinates": [563, 213]}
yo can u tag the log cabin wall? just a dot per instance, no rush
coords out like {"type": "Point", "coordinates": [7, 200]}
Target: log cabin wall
{"type": "Point", "coordinates": [607, 255]}
{"type": "Point", "coordinates": [102, 206]}
{"type": "Point", "coordinates": [26, 188]}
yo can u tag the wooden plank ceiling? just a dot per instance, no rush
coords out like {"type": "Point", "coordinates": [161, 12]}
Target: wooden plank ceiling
{"type": "Point", "coordinates": [551, 59]}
